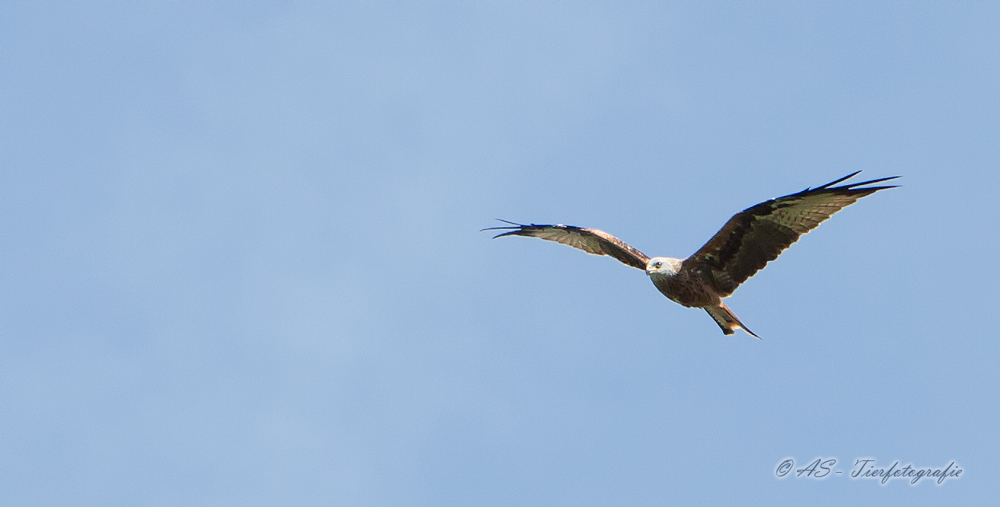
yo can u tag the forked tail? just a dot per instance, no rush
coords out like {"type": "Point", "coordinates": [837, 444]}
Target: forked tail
{"type": "Point", "coordinates": [726, 319]}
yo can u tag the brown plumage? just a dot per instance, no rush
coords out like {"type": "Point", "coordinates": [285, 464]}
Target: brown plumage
{"type": "Point", "coordinates": [748, 241]}
{"type": "Point", "coordinates": [592, 241]}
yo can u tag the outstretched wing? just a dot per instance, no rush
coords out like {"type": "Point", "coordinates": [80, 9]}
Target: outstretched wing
{"type": "Point", "coordinates": [591, 241]}
{"type": "Point", "coordinates": [757, 235]}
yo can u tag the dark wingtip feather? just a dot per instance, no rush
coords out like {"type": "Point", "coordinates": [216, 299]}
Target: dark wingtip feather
{"type": "Point", "coordinates": [869, 182]}
{"type": "Point", "coordinates": [834, 182]}
{"type": "Point", "coordinates": [514, 225]}
{"type": "Point", "coordinates": [855, 186]}
{"type": "Point", "coordinates": [510, 231]}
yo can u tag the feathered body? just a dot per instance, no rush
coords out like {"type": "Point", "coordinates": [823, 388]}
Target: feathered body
{"type": "Point", "coordinates": [744, 245]}
{"type": "Point", "coordinates": [681, 285]}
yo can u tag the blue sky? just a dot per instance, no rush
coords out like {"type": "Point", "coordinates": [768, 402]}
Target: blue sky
{"type": "Point", "coordinates": [241, 259]}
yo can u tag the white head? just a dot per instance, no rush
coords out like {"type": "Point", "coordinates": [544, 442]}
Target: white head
{"type": "Point", "coordinates": [663, 266]}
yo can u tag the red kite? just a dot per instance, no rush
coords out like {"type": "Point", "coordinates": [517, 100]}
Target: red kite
{"type": "Point", "coordinates": [748, 241]}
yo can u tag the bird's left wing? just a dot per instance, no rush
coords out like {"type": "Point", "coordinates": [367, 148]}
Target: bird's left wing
{"type": "Point", "coordinates": [592, 241]}
{"type": "Point", "coordinates": [758, 234]}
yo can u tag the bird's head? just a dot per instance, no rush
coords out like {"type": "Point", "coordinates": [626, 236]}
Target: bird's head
{"type": "Point", "coordinates": [664, 266]}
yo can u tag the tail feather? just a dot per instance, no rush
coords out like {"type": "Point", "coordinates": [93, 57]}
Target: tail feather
{"type": "Point", "coordinates": [727, 320]}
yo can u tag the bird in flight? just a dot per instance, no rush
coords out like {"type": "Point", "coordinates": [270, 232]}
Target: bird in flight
{"type": "Point", "coordinates": [748, 241]}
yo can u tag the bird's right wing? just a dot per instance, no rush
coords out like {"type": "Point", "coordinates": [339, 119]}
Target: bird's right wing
{"type": "Point", "coordinates": [758, 234]}
{"type": "Point", "coordinates": [592, 241]}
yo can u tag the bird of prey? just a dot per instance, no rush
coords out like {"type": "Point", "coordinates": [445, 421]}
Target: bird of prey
{"type": "Point", "coordinates": [748, 241]}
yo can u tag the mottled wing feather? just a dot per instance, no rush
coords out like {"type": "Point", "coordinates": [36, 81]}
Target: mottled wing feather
{"type": "Point", "coordinates": [592, 241]}
{"type": "Point", "coordinates": [757, 235]}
